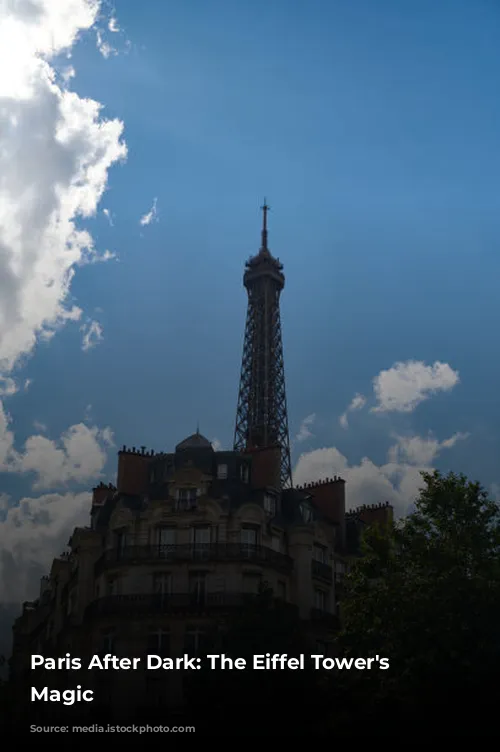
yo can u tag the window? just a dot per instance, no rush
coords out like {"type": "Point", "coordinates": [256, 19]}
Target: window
{"type": "Point", "coordinates": [222, 472]}
{"type": "Point", "coordinates": [112, 586]}
{"type": "Point", "coordinates": [281, 591]}
{"type": "Point", "coordinates": [108, 640]}
{"type": "Point", "coordinates": [276, 543]}
{"type": "Point", "coordinates": [194, 640]}
{"type": "Point", "coordinates": [186, 498]}
{"type": "Point", "coordinates": [306, 512]}
{"type": "Point", "coordinates": [159, 642]}
{"type": "Point", "coordinates": [248, 541]}
{"type": "Point", "coordinates": [339, 567]}
{"type": "Point", "coordinates": [320, 553]}
{"type": "Point", "coordinates": [200, 539]}
{"type": "Point", "coordinates": [121, 542]}
{"type": "Point", "coordinates": [270, 504]}
{"type": "Point", "coordinates": [320, 600]}
{"type": "Point", "coordinates": [218, 584]}
{"type": "Point", "coordinates": [166, 541]}
{"type": "Point", "coordinates": [244, 473]}
{"type": "Point", "coordinates": [198, 587]}
{"type": "Point", "coordinates": [249, 536]}
{"type": "Point", "coordinates": [162, 583]}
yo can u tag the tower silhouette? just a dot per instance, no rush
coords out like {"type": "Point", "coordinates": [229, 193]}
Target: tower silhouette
{"type": "Point", "coordinates": [261, 416]}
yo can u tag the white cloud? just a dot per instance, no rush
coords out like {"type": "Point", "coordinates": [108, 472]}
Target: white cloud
{"type": "Point", "coordinates": [104, 47]}
{"type": "Point", "coordinates": [113, 25]}
{"type": "Point", "coordinates": [108, 216]}
{"type": "Point", "coordinates": [405, 385]}
{"type": "Point", "coordinates": [40, 427]}
{"type": "Point", "coordinates": [77, 457]}
{"type": "Point", "coordinates": [397, 481]}
{"type": "Point", "coordinates": [55, 153]}
{"type": "Point", "coordinates": [150, 216]}
{"type": "Point", "coordinates": [31, 534]}
{"type": "Point", "coordinates": [305, 428]}
{"type": "Point", "coordinates": [92, 335]}
{"type": "Point", "coordinates": [417, 450]}
{"type": "Point", "coordinates": [357, 403]}
{"type": "Point", "coordinates": [8, 386]}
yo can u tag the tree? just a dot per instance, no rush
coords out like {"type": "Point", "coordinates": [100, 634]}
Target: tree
{"type": "Point", "coordinates": [426, 595]}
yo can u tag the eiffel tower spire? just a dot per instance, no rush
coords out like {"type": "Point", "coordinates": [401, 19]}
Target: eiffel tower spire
{"type": "Point", "coordinates": [261, 416]}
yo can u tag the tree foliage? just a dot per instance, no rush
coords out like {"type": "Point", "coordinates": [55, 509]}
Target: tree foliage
{"type": "Point", "coordinates": [426, 595]}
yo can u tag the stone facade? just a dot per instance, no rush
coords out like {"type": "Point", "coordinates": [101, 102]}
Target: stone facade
{"type": "Point", "coordinates": [180, 542]}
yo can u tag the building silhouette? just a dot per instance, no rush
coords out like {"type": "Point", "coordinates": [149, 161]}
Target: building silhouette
{"type": "Point", "coordinates": [186, 538]}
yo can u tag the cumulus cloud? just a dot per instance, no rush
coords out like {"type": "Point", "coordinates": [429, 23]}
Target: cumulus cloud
{"type": "Point", "coordinates": [8, 386]}
{"type": "Point", "coordinates": [305, 432]}
{"type": "Point", "coordinates": [92, 335]}
{"type": "Point", "coordinates": [405, 385]}
{"type": "Point", "coordinates": [150, 216]}
{"type": "Point", "coordinates": [36, 529]}
{"type": "Point", "coordinates": [357, 403]}
{"type": "Point", "coordinates": [397, 481]}
{"type": "Point", "coordinates": [55, 154]}
{"type": "Point", "coordinates": [77, 457]}
{"type": "Point", "coordinates": [417, 450]}
{"type": "Point", "coordinates": [31, 534]}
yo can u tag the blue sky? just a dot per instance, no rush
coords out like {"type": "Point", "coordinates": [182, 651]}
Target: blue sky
{"type": "Point", "coordinates": [372, 129]}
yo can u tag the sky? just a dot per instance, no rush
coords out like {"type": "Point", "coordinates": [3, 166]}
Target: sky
{"type": "Point", "coordinates": [137, 143]}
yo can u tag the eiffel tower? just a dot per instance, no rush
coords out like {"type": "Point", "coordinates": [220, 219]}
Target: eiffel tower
{"type": "Point", "coordinates": [261, 416]}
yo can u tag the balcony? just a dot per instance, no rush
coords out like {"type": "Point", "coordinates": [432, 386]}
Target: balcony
{"type": "Point", "coordinates": [322, 571]}
{"type": "Point", "coordinates": [325, 619]}
{"type": "Point", "coordinates": [215, 552]}
{"type": "Point", "coordinates": [168, 603]}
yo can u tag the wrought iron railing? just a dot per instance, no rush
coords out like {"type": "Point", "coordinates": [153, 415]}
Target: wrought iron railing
{"type": "Point", "coordinates": [322, 571]}
{"type": "Point", "coordinates": [194, 553]}
{"type": "Point", "coordinates": [147, 603]}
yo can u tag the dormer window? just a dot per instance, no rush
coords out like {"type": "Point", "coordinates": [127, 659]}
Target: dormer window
{"type": "Point", "coordinates": [222, 472]}
{"type": "Point", "coordinates": [270, 504]}
{"type": "Point", "coordinates": [186, 498]}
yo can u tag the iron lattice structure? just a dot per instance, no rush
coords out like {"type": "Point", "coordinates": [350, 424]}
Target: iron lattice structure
{"type": "Point", "coordinates": [261, 416]}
